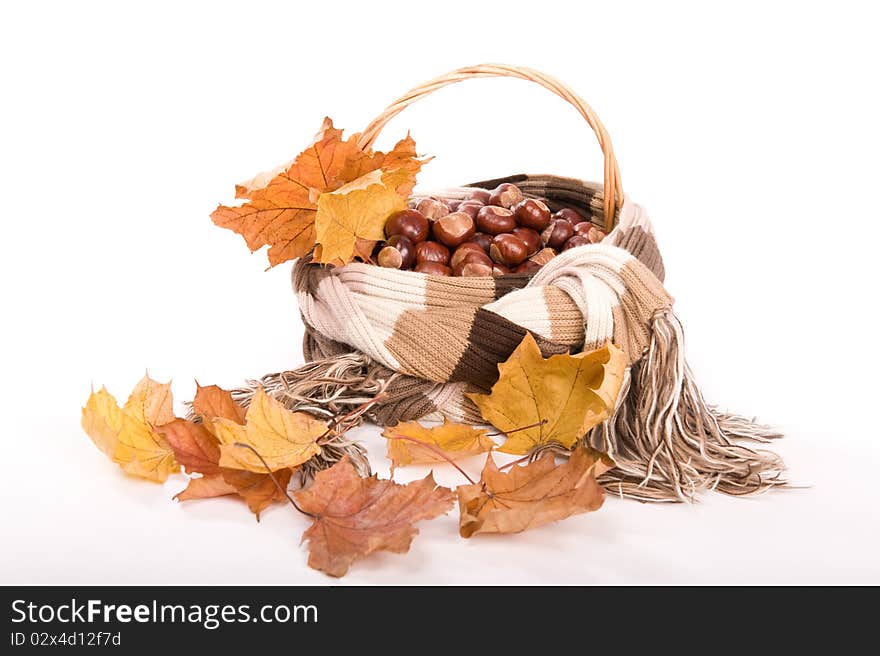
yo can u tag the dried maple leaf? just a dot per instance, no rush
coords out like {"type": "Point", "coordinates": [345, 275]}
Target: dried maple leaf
{"type": "Point", "coordinates": [282, 206]}
{"type": "Point", "coordinates": [531, 495]}
{"type": "Point", "coordinates": [128, 435]}
{"type": "Point", "coordinates": [354, 516]}
{"type": "Point", "coordinates": [283, 438]}
{"type": "Point", "coordinates": [356, 211]}
{"type": "Point", "coordinates": [211, 402]}
{"type": "Point", "coordinates": [438, 443]}
{"type": "Point", "coordinates": [198, 449]}
{"type": "Point", "coordinates": [558, 398]}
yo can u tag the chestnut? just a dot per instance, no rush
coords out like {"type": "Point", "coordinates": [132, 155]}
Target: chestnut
{"type": "Point", "coordinates": [432, 251]}
{"type": "Point", "coordinates": [508, 249]}
{"type": "Point", "coordinates": [432, 208]}
{"type": "Point", "coordinates": [397, 253]}
{"type": "Point", "coordinates": [530, 237]}
{"type": "Point", "coordinates": [575, 241]}
{"type": "Point", "coordinates": [505, 195]}
{"type": "Point", "coordinates": [500, 270]}
{"type": "Point", "coordinates": [483, 240]}
{"type": "Point", "coordinates": [454, 229]}
{"type": "Point", "coordinates": [473, 269]}
{"type": "Point", "coordinates": [528, 267]}
{"type": "Point", "coordinates": [453, 204]}
{"type": "Point", "coordinates": [470, 207]}
{"type": "Point", "coordinates": [595, 235]}
{"type": "Point", "coordinates": [495, 220]}
{"type": "Point", "coordinates": [409, 223]}
{"type": "Point", "coordinates": [557, 233]}
{"type": "Point", "coordinates": [433, 269]}
{"type": "Point", "coordinates": [583, 228]}
{"type": "Point", "coordinates": [472, 257]}
{"type": "Point", "coordinates": [569, 215]}
{"type": "Point", "coordinates": [463, 251]}
{"type": "Point", "coordinates": [532, 213]}
{"type": "Point", "coordinates": [482, 196]}
{"type": "Point", "coordinates": [543, 256]}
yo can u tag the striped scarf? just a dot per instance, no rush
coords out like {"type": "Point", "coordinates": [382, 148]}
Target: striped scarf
{"type": "Point", "coordinates": [429, 340]}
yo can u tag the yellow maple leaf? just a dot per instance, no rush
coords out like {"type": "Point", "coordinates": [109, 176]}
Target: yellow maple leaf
{"type": "Point", "coordinates": [355, 211]}
{"type": "Point", "coordinates": [557, 399]}
{"type": "Point", "coordinates": [128, 435]}
{"type": "Point", "coordinates": [431, 444]}
{"type": "Point", "coordinates": [283, 438]}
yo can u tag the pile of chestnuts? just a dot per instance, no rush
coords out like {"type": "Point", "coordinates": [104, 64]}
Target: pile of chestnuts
{"type": "Point", "coordinates": [489, 233]}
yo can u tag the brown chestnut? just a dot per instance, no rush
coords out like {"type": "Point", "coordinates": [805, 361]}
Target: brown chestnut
{"type": "Point", "coordinates": [463, 251]}
{"type": "Point", "coordinates": [454, 204]}
{"type": "Point", "coordinates": [583, 228]}
{"type": "Point", "coordinates": [595, 235]}
{"type": "Point", "coordinates": [432, 251]}
{"type": "Point", "coordinates": [495, 220]}
{"type": "Point", "coordinates": [543, 256]}
{"type": "Point", "coordinates": [470, 207]}
{"type": "Point", "coordinates": [484, 240]}
{"type": "Point", "coordinates": [473, 269]}
{"type": "Point", "coordinates": [528, 267]}
{"type": "Point", "coordinates": [409, 223]}
{"type": "Point", "coordinates": [532, 213]}
{"type": "Point", "coordinates": [505, 195]}
{"type": "Point", "coordinates": [575, 241]}
{"type": "Point", "coordinates": [433, 269]}
{"type": "Point", "coordinates": [500, 270]}
{"type": "Point", "coordinates": [530, 237]}
{"type": "Point", "coordinates": [508, 249]}
{"type": "Point", "coordinates": [432, 208]}
{"type": "Point", "coordinates": [569, 215]}
{"type": "Point", "coordinates": [453, 229]}
{"type": "Point", "coordinates": [471, 257]}
{"type": "Point", "coordinates": [398, 253]}
{"type": "Point", "coordinates": [557, 233]}
{"type": "Point", "coordinates": [480, 195]}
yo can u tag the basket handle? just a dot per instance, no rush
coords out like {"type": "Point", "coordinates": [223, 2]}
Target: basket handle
{"type": "Point", "coordinates": [613, 192]}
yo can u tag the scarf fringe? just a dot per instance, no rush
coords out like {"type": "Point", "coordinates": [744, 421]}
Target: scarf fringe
{"type": "Point", "coordinates": [668, 443]}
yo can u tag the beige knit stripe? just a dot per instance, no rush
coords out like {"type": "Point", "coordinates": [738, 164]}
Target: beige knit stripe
{"type": "Point", "coordinates": [566, 321]}
{"type": "Point", "coordinates": [631, 339]}
{"type": "Point", "coordinates": [458, 292]}
{"type": "Point", "coordinates": [330, 301]}
{"type": "Point", "coordinates": [527, 308]}
{"type": "Point", "coordinates": [430, 343]}
{"type": "Point", "coordinates": [643, 246]}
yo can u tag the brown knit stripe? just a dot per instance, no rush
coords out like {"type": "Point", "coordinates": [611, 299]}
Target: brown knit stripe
{"type": "Point", "coordinates": [491, 340]}
{"type": "Point", "coordinates": [430, 343]}
{"type": "Point", "coordinates": [506, 284]}
{"type": "Point", "coordinates": [643, 245]}
{"type": "Point", "coordinates": [456, 292]}
{"type": "Point", "coordinates": [566, 320]}
{"type": "Point", "coordinates": [631, 339]}
{"type": "Point", "coordinates": [643, 297]}
{"type": "Point", "coordinates": [407, 400]}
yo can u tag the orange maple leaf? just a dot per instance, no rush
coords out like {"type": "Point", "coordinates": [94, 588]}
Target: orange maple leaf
{"type": "Point", "coordinates": [282, 206]}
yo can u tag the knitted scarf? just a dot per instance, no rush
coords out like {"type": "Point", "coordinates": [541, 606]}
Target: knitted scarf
{"type": "Point", "coordinates": [424, 341]}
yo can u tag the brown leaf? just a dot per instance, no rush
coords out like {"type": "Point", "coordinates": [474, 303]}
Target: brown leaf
{"type": "Point", "coordinates": [198, 449]}
{"type": "Point", "coordinates": [450, 439]}
{"type": "Point", "coordinates": [282, 207]}
{"type": "Point", "coordinates": [211, 402]}
{"type": "Point", "coordinates": [194, 446]}
{"type": "Point", "coordinates": [559, 398]}
{"type": "Point", "coordinates": [354, 516]}
{"type": "Point", "coordinates": [531, 495]}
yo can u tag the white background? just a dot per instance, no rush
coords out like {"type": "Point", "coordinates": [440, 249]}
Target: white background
{"type": "Point", "coordinates": [750, 134]}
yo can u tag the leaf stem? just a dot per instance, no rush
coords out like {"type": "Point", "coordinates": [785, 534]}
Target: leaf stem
{"type": "Point", "coordinates": [433, 449]}
{"type": "Point", "coordinates": [514, 430]}
{"type": "Point", "coordinates": [283, 490]}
